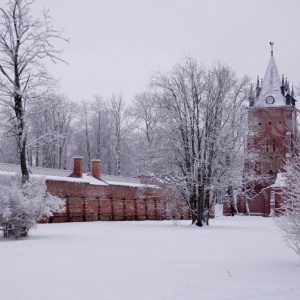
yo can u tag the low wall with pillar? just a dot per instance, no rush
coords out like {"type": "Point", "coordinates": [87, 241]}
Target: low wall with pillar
{"type": "Point", "coordinates": [88, 198]}
{"type": "Point", "coordinates": [264, 203]}
{"type": "Point", "coordinates": [88, 202]}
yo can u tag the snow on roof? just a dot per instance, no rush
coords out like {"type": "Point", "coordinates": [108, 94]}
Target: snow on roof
{"type": "Point", "coordinates": [271, 87]}
{"type": "Point", "coordinates": [35, 170]}
{"type": "Point", "coordinates": [64, 175]}
{"type": "Point", "coordinates": [84, 179]}
{"type": "Point", "coordinates": [50, 172]}
{"type": "Point", "coordinates": [280, 180]}
{"type": "Point", "coordinates": [125, 181]}
{"type": "Point", "coordinates": [10, 168]}
{"type": "Point", "coordinates": [120, 179]}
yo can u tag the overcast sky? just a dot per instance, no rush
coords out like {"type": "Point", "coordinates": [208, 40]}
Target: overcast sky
{"type": "Point", "coordinates": [115, 44]}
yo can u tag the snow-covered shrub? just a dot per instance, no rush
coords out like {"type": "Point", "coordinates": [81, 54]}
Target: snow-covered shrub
{"type": "Point", "coordinates": [289, 212]}
{"type": "Point", "coordinates": [22, 206]}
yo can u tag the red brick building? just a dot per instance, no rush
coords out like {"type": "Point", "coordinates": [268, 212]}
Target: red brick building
{"type": "Point", "coordinates": [272, 133]}
{"type": "Point", "coordinates": [99, 197]}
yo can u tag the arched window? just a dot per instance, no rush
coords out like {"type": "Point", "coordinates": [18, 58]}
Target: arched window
{"type": "Point", "coordinates": [277, 162]}
{"type": "Point", "coordinates": [269, 156]}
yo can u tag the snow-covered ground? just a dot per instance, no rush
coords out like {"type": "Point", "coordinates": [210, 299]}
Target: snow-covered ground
{"type": "Point", "coordinates": [234, 258]}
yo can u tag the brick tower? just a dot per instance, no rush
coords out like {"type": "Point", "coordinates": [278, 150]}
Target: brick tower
{"type": "Point", "coordinates": [270, 143]}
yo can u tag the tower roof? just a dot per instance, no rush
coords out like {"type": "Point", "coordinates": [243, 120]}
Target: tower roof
{"type": "Point", "coordinates": [270, 93]}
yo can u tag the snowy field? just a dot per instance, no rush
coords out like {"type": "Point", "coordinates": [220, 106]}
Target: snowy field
{"type": "Point", "coordinates": [234, 258]}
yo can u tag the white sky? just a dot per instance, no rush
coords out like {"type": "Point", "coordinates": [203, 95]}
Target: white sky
{"type": "Point", "coordinates": [116, 44]}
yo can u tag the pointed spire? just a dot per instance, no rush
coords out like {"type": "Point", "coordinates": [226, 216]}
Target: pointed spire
{"type": "Point", "coordinates": [251, 91]}
{"type": "Point", "coordinates": [271, 85]}
{"type": "Point", "coordinates": [258, 88]}
{"type": "Point", "coordinates": [293, 100]}
{"type": "Point", "coordinates": [271, 43]}
{"type": "Point", "coordinates": [288, 88]}
{"type": "Point", "coordinates": [251, 96]}
{"type": "Point", "coordinates": [282, 88]}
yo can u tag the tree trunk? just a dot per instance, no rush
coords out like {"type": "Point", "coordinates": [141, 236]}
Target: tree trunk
{"type": "Point", "coordinates": [60, 156]}
{"type": "Point", "coordinates": [88, 144]}
{"type": "Point", "coordinates": [23, 161]}
{"type": "Point", "coordinates": [118, 163]}
{"type": "Point", "coordinates": [21, 136]}
{"type": "Point", "coordinates": [37, 155]}
{"type": "Point", "coordinates": [199, 208]}
{"type": "Point", "coordinates": [193, 205]}
{"type": "Point", "coordinates": [247, 206]}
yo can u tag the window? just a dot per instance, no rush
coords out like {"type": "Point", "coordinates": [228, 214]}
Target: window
{"type": "Point", "coordinates": [269, 156]}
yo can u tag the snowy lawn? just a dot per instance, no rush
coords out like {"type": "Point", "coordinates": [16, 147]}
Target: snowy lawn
{"type": "Point", "coordinates": [234, 258]}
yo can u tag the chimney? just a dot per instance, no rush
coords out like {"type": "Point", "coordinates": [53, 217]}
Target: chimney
{"type": "Point", "coordinates": [77, 166]}
{"type": "Point", "coordinates": [96, 168]}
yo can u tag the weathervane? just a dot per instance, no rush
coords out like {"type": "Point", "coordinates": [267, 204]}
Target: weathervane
{"type": "Point", "coordinates": [271, 43]}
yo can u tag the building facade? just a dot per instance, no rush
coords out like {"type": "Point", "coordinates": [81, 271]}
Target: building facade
{"type": "Point", "coordinates": [270, 143]}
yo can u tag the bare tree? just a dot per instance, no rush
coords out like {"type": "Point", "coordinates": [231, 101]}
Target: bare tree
{"type": "Point", "coordinates": [85, 118]}
{"type": "Point", "coordinates": [288, 215]}
{"type": "Point", "coordinates": [149, 116]}
{"type": "Point", "coordinates": [25, 42]}
{"type": "Point", "coordinates": [8, 135]}
{"type": "Point", "coordinates": [93, 129]}
{"type": "Point", "coordinates": [204, 118]}
{"type": "Point", "coordinates": [102, 132]}
{"type": "Point", "coordinates": [121, 123]}
{"type": "Point", "coordinates": [98, 119]}
{"type": "Point", "coordinates": [49, 130]}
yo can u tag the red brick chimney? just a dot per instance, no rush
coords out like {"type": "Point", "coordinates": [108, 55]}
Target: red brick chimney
{"type": "Point", "coordinates": [96, 168]}
{"type": "Point", "coordinates": [77, 166]}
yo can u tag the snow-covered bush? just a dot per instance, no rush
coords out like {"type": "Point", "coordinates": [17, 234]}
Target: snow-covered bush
{"type": "Point", "coordinates": [22, 206]}
{"type": "Point", "coordinates": [289, 212]}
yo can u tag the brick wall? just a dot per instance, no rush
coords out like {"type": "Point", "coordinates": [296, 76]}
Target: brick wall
{"type": "Point", "coordinates": [86, 202]}
{"type": "Point", "coordinates": [273, 122]}
{"type": "Point", "coordinates": [259, 204]}
{"type": "Point", "coordinates": [278, 123]}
